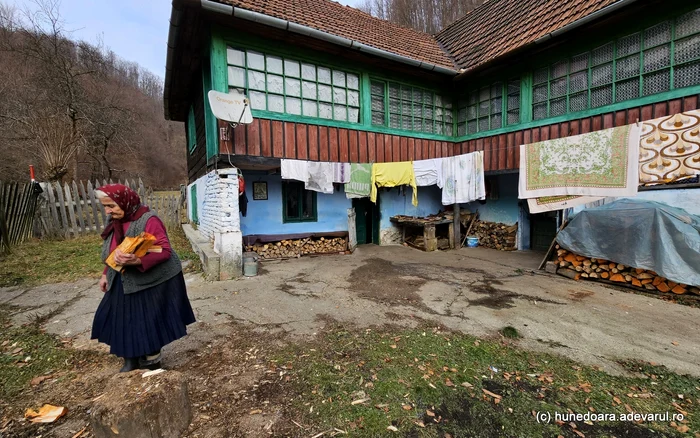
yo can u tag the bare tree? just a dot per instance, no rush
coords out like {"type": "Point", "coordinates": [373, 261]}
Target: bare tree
{"type": "Point", "coordinates": [64, 102]}
{"type": "Point", "coordinates": [428, 16]}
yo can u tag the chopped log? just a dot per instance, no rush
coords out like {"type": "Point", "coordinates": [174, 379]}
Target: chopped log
{"type": "Point", "coordinates": [628, 278]}
{"type": "Point", "coordinates": [663, 287]}
{"type": "Point", "coordinates": [650, 286]}
{"type": "Point", "coordinates": [568, 273]}
{"type": "Point", "coordinates": [593, 275]}
{"type": "Point", "coordinates": [604, 267]}
{"type": "Point", "coordinates": [647, 281]}
{"type": "Point", "coordinates": [621, 267]}
{"type": "Point", "coordinates": [615, 270]}
{"type": "Point", "coordinates": [636, 282]}
{"type": "Point", "coordinates": [617, 278]}
{"type": "Point", "coordinates": [644, 276]}
{"type": "Point", "coordinates": [571, 258]}
{"type": "Point", "coordinates": [138, 407]}
{"type": "Point", "coordinates": [657, 281]}
{"type": "Point", "coordinates": [672, 284]}
{"type": "Point", "coordinates": [679, 290]}
{"type": "Point", "coordinates": [604, 275]}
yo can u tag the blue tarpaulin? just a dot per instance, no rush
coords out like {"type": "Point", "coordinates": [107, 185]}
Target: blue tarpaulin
{"type": "Point", "coordinates": [641, 234]}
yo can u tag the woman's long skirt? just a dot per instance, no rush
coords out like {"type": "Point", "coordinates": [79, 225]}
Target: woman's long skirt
{"type": "Point", "coordinates": [143, 322]}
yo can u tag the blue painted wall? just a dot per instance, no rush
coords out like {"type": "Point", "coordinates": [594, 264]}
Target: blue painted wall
{"type": "Point", "coordinates": [687, 199]}
{"type": "Point", "coordinates": [393, 202]}
{"type": "Point", "coordinates": [265, 217]}
{"type": "Point", "coordinates": [505, 209]}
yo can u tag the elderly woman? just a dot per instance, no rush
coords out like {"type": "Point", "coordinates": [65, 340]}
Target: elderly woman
{"type": "Point", "coordinates": [145, 306]}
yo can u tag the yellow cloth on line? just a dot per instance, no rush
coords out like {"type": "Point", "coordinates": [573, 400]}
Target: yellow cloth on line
{"type": "Point", "coordinates": [392, 175]}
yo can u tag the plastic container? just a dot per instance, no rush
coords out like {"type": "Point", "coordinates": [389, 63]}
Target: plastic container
{"type": "Point", "coordinates": [472, 242]}
{"type": "Point", "coordinates": [250, 264]}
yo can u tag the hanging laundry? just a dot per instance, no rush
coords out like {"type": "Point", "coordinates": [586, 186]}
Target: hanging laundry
{"type": "Point", "coordinates": [295, 169]}
{"type": "Point", "coordinates": [600, 163]}
{"type": "Point", "coordinates": [320, 177]}
{"type": "Point", "coordinates": [462, 179]}
{"type": "Point", "coordinates": [341, 173]}
{"type": "Point", "coordinates": [392, 175]}
{"type": "Point", "coordinates": [428, 172]}
{"type": "Point", "coordinates": [360, 182]}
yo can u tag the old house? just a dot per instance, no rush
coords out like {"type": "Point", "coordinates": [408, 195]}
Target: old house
{"type": "Point", "coordinates": [327, 82]}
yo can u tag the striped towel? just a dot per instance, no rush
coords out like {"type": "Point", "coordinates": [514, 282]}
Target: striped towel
{"type": "Point", "coordinates": [360, 181]}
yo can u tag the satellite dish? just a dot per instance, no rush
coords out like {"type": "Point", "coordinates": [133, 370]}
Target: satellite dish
{"type": "Point", "coordinates": [233, 107]}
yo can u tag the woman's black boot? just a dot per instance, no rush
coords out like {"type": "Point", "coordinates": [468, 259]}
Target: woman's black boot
{"type": "Point", "coordinates": [130, 364]}
{"type": "Point", "coordinates": [150, 361]}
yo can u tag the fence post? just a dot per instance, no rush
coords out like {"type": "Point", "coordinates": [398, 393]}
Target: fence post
{"type": "Point", "coordinates": [86, 210]}
{"type": "Point", "coordinates": [93, 204]}
{"type": "Point", "coordinates": [78, 207]}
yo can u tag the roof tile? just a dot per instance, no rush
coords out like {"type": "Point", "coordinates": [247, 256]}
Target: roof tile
{"type": "Point", "coordinates": [344, 21]}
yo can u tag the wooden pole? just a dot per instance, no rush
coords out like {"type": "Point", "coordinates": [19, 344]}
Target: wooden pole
{"type": "Point", "coordinates": [457, 225]}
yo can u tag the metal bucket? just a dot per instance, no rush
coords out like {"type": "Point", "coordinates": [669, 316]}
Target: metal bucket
{"type": "Point", "coordinates": [250, 264]}
{"type": "Point", "coordinates": [472, 242]}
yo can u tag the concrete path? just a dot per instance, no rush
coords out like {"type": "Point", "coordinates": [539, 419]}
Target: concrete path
{"type": "Point", "coordinates": [476, 291]}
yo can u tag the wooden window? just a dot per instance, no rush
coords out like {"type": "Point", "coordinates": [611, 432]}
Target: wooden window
{"type": "Point", "coordinates": [286, 85]}
{"type": "Point", "coordinates": [191, 131]}
{"type": "Point", "coordinates": [658, 59]}
{"type": "Point", "coordinates": [409, 108]}
{"type": "Point", "coordinates": [490, 107]}
{"type": "Point", "coordinates": [298, 204]}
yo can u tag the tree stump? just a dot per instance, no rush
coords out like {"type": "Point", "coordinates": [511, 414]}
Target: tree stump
{"type": "Point", "coordinates": [142, 407]}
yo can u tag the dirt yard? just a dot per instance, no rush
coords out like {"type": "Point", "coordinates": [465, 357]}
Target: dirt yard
{"type": "Point", "coordinates": [232, 354]}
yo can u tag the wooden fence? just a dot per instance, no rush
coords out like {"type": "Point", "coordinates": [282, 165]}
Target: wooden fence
{"type": "Point", "coordinates": [18, 204]}
{"type": "Point", "coordinates": [73, 209]}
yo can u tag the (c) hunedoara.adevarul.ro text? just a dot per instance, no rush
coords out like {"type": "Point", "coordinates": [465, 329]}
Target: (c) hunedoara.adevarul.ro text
{"type": "Point", "coordinates": [548, 417]}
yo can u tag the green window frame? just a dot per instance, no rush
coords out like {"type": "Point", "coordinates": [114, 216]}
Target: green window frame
{"type": "Point", "coordinates": [409, 108]}
{"type": "Point", "coordinates": [298, 204]}
{"type": "Point", "coordinates": [191, 131]}
{"type": "Point", "coordinates": [287, 85]}
{"type": "Point", "coordinates": [489, 107]}
{"type": "Point", "coordinates": [193, 202]}
{"type": "Point", "coordinates": [657, 59]}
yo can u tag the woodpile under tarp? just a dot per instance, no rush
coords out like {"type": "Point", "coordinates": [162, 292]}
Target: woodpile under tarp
{"type": "Point", "coordinates": [579, 267]}
{"type": "Point", "coordinates": [293, 248]}
{"type": "Point", "coordinates": [496, 235]}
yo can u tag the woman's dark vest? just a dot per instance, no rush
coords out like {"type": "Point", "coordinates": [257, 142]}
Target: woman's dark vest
{"type": "Point", "coordinates": [133, 279]}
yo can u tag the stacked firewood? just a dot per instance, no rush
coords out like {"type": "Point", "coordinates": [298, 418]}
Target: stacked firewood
{"type": "Point", "coordinates": [496, 235]}
{"type": "Point", "coordinates": [299, 247]}
{"type": "Point", "coordinates": [578, 267]}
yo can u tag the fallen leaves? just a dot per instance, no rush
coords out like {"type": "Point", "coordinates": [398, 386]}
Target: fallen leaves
{"type": "Point", "coordinates": [46, 414]}
{"type": "Point", "coordinates": [37, 380]}
{"type": "Point", "coordinates": [359, 401]}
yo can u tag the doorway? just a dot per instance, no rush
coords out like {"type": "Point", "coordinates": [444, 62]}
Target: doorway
{"type": "Point", "coordinates": [366, 221]}
{"type": "Point", "coordinates": [543, 229]}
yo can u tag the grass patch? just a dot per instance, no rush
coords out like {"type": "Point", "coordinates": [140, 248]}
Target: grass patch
{"type": "Point", "coordinates": [60, 261]}
{"type": "Point", "coordinates": [183, 248]}
{"type": "Point", "coordinates": [510, 332]}
{"type": "Point", "coordinates": [430, 384]}
{"type": "Point", "coordinates": [26, 352]}
{"type": "Point", "coordinates": [52, 261]}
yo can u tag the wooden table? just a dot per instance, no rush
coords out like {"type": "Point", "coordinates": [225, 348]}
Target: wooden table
{"type": "Point", "coordinates": [429, 227]}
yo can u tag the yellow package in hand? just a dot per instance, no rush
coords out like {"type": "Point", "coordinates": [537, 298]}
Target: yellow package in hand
{"type": "Point", "coordinates": [138, 245]}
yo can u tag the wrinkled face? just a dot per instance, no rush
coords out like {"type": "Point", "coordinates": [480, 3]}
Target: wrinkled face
{"type": "Point", "coordinates": [111, 208]}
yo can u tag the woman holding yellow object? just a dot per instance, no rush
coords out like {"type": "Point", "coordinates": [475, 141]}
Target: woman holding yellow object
{"type": "Point", "coordinates": [145, 306]}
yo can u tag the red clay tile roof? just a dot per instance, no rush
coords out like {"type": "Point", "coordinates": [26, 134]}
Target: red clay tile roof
{"type": "Point", "coordinates": [344, 21]}
{"type": "Point", "coordinates": [500, 26]}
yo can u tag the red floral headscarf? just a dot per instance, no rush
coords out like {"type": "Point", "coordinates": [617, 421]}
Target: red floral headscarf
{"type": "Point", "coordinates": [129, 201]}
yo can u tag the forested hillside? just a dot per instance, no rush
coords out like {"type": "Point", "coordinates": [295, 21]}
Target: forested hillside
{"type": "Point", "coordinates": [76, 110]}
